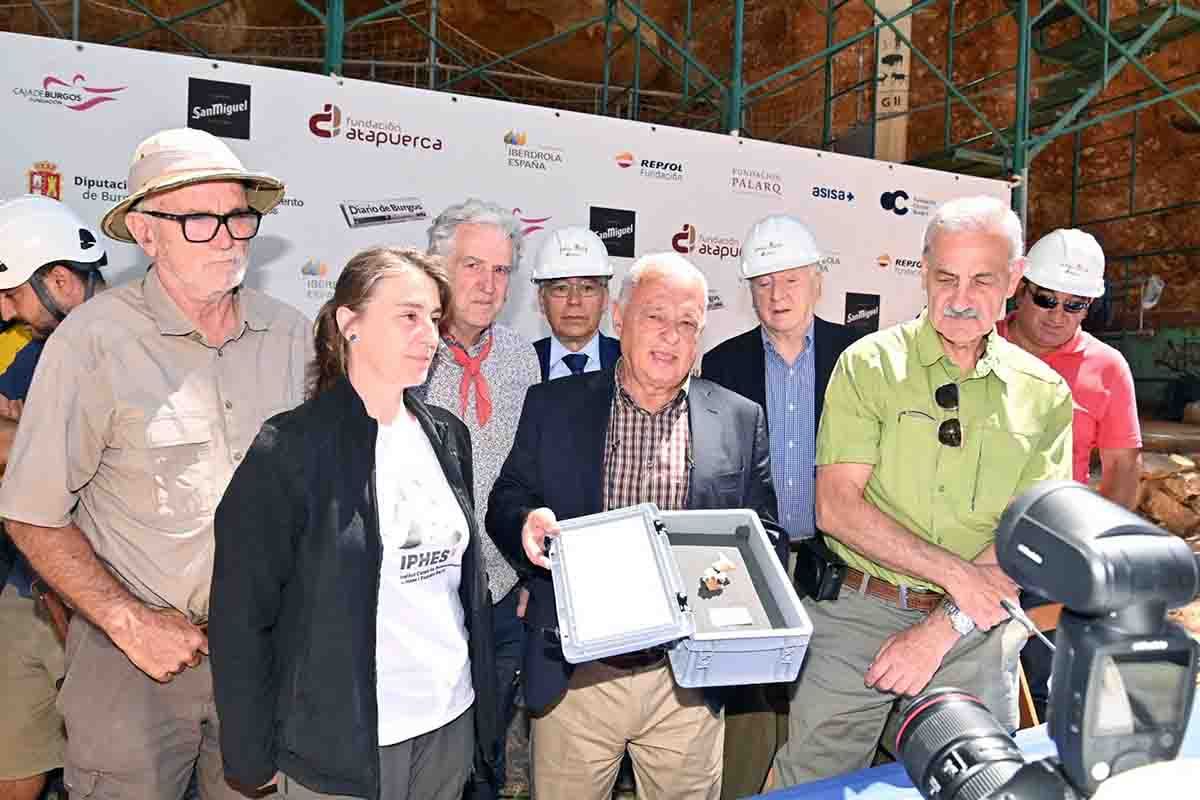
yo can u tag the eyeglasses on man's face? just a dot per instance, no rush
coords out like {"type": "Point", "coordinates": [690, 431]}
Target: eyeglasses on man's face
{"type": "Point", "coordinates": [587, 288]}
{"type": "Point", "coordinates": [1044, 299]}
{"type": "Point", "coordinates": [202, 227]}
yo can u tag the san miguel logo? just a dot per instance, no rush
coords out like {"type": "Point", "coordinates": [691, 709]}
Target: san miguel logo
{"type": "Point", "coordinates": [330, 123]}
{"type": "Point", "coordinates": [219, 107]}
{"type": "Point", "coordinates": [45, 179]}
{"type": "Point", "coordinates": [76, 94]}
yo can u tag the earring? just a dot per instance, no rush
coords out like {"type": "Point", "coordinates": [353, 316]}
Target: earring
{"type": "Point", "coordinates": [353, 338]}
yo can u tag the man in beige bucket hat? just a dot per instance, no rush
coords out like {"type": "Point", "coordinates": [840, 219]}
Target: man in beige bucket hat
{"type": "Point", "coordinates": [144, 403]}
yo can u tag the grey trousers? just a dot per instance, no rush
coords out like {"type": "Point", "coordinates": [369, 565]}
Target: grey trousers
{"type": "Point", "coordinates": [835, 720]}
{"type": "Point", "coordinates": [432, 766]}
{"type": "Point", "coordinates": [130, 737]}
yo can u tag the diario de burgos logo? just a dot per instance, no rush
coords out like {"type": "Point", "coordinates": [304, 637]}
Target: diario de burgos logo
{"type": "Point", "coordinates": [900, 202]}
{"type": "Point", "coordinates": [833, 193]}
{"type": "Point", "coordinates": [219, 107]}
{"type": "Point", "coordinates": [384, 212]}
{"type": "Point", "coordinates": [756, 181]}
{"type": "Point", "coordinates": [76, 94]}
{"type": "Point", "coordinates": [904, 266]}
{"type": "Point", "coordinates": [529, 223]}
{"type": "Point", "coordinates": [616, 228]}
{"type": "Point", "coordinates": [522, 155]}
{"type": "Point", "coordinates": [689, 240]}
{"type": "Point", "coordinates": [318, 282]}
{"type": "Point", "coordinates": [45, 179]}
{"type": "Point", "coordinates": [330, 123]}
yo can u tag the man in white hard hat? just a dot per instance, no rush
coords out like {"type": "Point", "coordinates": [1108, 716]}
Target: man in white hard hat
{"type": "Point", "coordinates": [783, 365]}
{"type": "Point", "coordinates": [144, 402]}
{"type": "Point", "coordinates": [572, 272]}
{"type": "Point", "coordinates": [930, 428]}
{"type": "Point", "coordinates": [50, 262]}
{"type": "Point", "coordinates": [1063, 275]}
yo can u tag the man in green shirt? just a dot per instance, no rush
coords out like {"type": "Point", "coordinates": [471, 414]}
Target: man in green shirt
{"type": "Point", "coordinates": [930, 428]}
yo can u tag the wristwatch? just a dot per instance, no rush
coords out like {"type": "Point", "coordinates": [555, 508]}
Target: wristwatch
{"type": "Point", "coordinates": [959, 619]}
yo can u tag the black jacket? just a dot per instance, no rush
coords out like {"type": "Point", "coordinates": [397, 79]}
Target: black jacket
{"type": "Point", "coordinates": [557, 462]}
{"type": "Point", "coordinates": [295, 591]}
{"type": "Point", "coordinates": [738, 363]}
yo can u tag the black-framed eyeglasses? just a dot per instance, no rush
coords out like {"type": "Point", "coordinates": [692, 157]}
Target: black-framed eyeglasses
{"type": "Point", "coordinates": [950, 431]}
{"type": "Point", "coordinates": [200, 228]}
{"type": "Point", "coordinates": [1050, 302]}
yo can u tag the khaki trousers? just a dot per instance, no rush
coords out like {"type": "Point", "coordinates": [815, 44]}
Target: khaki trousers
{"type": "Point", "coordinates": [130, 737]}
{"type": "Point", "coordinates": [673, 737]}
{"type": "Point", "coordinates": [835, 721]}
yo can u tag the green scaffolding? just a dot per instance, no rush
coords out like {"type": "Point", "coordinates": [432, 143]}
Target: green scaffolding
{"type": "Point", "coordinates": [1062, 100]}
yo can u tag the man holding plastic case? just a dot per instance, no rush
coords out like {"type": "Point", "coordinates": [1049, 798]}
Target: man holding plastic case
{"type": "Point", "coordinates": [784, 365]}
{"type": "Point", "coordinates": [641, 432]}
{"type": "Point", "coordinates": [572, 272]}
{"type": "Point", "coordinates": [930, 428]}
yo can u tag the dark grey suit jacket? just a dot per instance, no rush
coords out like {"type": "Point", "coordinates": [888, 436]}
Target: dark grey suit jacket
{"type": "Point", "coordinates": [557, 462]}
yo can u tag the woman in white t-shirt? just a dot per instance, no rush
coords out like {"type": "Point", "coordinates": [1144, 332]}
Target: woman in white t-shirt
{"type": "Point", "coordinates": [350, 632]}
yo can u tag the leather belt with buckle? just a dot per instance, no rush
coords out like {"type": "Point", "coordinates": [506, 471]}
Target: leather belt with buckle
{"type": "Point", "coordinates": [636, 660]}
{"type": "Point", "coordinates": [899, 596]}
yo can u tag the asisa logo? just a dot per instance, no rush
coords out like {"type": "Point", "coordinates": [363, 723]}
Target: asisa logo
{"type": "Point", "coordinates": [326, 123]}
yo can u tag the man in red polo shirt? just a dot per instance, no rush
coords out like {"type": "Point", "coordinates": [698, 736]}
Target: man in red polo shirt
{"type": "Point", "coordinates": [1064, 273]}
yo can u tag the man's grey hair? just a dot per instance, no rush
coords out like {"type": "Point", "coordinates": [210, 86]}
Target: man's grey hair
{"type": "Point", "coordinates": [978, 214]}
{"type": "Point", "coordinates": [473, 211]}
{"type": "Point", "coordinates": [662, 265]}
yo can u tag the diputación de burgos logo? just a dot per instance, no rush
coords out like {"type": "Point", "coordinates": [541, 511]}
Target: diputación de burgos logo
{"type": "Point", "coordinates": [77, 94]}
{"type": "Point", "coordinates": [330, 123]}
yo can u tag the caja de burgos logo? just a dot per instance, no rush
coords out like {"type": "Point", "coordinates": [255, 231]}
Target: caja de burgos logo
{"type": "Point", "coordinates": [77, 93]}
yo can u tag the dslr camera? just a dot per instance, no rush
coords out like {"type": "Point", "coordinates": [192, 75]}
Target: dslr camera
{"type": "Point", "coordinates": [1123, 678]}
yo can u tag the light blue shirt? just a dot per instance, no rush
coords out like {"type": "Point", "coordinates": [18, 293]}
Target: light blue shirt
{"type": "Point", "coordinates": [792, 424]}
{"type": "Point", "coordinates": [559, 370]}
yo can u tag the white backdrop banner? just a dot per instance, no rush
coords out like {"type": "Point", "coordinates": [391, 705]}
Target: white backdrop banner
{"type": "Point", "coordinates": [370, 163]}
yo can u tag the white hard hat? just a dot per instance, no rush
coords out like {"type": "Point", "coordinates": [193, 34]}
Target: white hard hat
{"type": "Point", "coordinates": [571, 252]}
{"type": "Point", "coordinates": [776, 243]}
{"type": "Point", "coordinates": [36, 231]}
{"type": "Point", "coordinates": [1067, 260]}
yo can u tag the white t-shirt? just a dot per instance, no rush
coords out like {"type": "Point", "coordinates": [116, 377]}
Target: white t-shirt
{"type": "Point", "coordinates": [423, 669]}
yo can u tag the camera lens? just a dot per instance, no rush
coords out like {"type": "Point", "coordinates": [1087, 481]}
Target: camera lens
{"type": "Point", "coordinates": [953, 748]}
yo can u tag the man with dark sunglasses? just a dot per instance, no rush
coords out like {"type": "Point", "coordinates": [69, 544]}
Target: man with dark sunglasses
{"type": "Point", "coordinates": [143, 404]}
{"type": "Point", "coordinates": [929, 429]}
{"type": "Point", "coordinates": [1064, 274]}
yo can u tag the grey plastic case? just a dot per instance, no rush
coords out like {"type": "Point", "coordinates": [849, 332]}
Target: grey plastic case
{"type": "Point", "coordinates": [629, 579]}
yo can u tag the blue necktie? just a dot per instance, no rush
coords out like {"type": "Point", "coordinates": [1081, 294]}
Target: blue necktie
{"type": "Point", "coordinates": [575, 362]}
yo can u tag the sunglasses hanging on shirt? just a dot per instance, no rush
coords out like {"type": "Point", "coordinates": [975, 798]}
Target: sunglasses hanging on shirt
{"type": "Point", "coordinates": [950, 431]}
